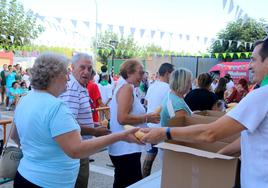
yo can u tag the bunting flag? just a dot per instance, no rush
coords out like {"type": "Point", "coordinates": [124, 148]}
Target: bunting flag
{"type": "Point", "coordinates": [187, 37]}
{"type": "Point", "coordinates": [221, 42]}
{"type": "Point", "coordinates": [236, 12]}
{"type": "Point", "coordinates": [217, 55]}
{"type": "Point", "coordinates": [180, 35]}
{"type": "Point", "coordinates": [110, 28]}
{"type": "Point", "coordinates": [212, 40]}
{"type": "Point", "coordinates": [99, 26]}
{"type": "Point", "coordinates": [162, 33]}
{"type": "Point", "coordinates": [132, 31]}
{"type": "Point", "coordinates": [74, 22]}
{"type": "Point", "coordinates": [58, 19]}
{"type": "Point", "coordinates": [238, 44]}
{"type": "Point", "coordinates": [230, 43]}
{"type": "Point", "coordinates": [12, 39]}
{"type": "Point", "coordinates": [4, 36]}
{"type": "Point", "coordinates": [238, 54]}
{"type": "Point", "coordinates": [197, 38]}
{"type": "Point", "coordinates": [231, 7]}
{"type": "Point", "coordinates": [121, 29]}
{"type": "Point", "coordinates": [22, 39]}
{"type": "Point", "coordinates": [247, 54]}
{"type": "Point", "coordinates": [240, 14]}
{"type": "Point", "coordinates": [224, 3]}
{"type": "Point", "coordinates": [224, 55]}
{"type": "Point", "coordinates": [205, 40]}
{"type": "Point", "coordinates": [152, 33]}
{"type": "Point", "coordinates": [86, 23]}
{"type": "Point", "coordinates": [250, 45]}
{"type": "Point", "coordinates": [142, 31]}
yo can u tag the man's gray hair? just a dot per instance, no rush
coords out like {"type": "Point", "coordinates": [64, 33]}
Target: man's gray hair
{"type": "Point", "coordinates": [46, 67]}
{"type": "Point", "coordinates": [180, 79]}
{"type": "Point", "coordinates": [81, 56]}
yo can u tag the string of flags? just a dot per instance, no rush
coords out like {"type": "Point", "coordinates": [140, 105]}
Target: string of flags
{"type": "Point", "coordinates": [232, 7]}
{"type": "Point", "coordinates": [30, 51]}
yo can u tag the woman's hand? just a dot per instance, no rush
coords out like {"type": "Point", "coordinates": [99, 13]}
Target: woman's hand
{"type": "Point", "coordinates": [153, 135]}
{"type": "Point", "coordinates": [153, 118]}
{"type": "Point", "coordinates": [129, 135]}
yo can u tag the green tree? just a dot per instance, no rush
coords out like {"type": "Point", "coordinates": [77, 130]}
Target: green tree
{"type": "Point", "coordinates": [126, 47]}
{"type": "Point", "coordinates": [18, 23]}
{"type": "Point", "coordinates": [248, 30]}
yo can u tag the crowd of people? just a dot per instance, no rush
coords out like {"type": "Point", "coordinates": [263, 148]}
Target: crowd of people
{"type": "Point", "coordinates": [68, 128]}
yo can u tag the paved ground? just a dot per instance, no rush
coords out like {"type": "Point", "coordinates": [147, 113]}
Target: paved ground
{"type": "Point", "coordinates": [101, 175]}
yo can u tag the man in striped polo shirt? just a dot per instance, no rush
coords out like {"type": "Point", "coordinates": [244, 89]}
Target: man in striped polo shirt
{"type": "Point", "coordinates": [77, 98]}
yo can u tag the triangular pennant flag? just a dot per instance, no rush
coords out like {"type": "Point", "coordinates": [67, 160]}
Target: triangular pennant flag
{"type": "Point", "coordinates": [58, 19]}
{"type": "Point", "coordinates": [221, 42]}
{"type": "Point", "coordinates": [12, 39]}
{"type": "Point", "coordinates": [142, 31]}
{"type": "Point", "coordinates": [239, 14]}
{"type": "Point", "coordinates": [230, 43]}
{"type": "Point", "coordinates": [231, 6]}
{"type": "Point", "coordinates": [121, 29]}
{"type": "Point", "coordinates": [224, 55]}
{"type": "Point", "coordinates": [171, 34]}
{"type": "Point", "coordinates": [110, 28]}
{"type": "Point", "coordinates": [250, 45]}
{"type": "Point", "coordinates": [197, 38]}
{"type": "Point", "coordinates": [238, 44]}
{"type": "Point", "coordinates": [247, 54]}
{"type": "Point", "coordinates": [224, 3]}
{"type": "Point", "coordinates": [187, 37]}
{"type": "Point", "coordinates": [42, 18]}
{"type": "Point", "coordinates": [231, 55]}
{"type": "Point", "coordinates": [4, 36]}
{"type": "Point", "coordinates": [132, 31]}
{"type": "Point", "coordinates": [238, 54]}
{"type": "Point", "coordinates": [86, 23]}
{"type": "Point", "coordinates": [246, 45]}
{"type": "Point", "coordinates": [152, 33]}
{"type": "Point", "coordinates": [216, 55]}
{"type": "Point", "coordinates": [180, 35]}
{"type": "Point", "coordinates": [205, 40]}
{"type": "Point", "coordinates": [22, 39]}
{"type": "Point", "coordinates": [212, 40]}
{"type": "Point", "coordinates": [162, 34]}
{"type": "Point", "coordinates": [99, 26]}
{"type": "Point", "coordinates": [74, 22]}
{"type": "Point", "coordinates": [236, 12]}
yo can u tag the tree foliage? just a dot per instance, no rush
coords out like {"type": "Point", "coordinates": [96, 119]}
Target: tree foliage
{"type": "Point", "coordinates": [248, 30]}
{"type": "Point", "coordinates": [17, 22]}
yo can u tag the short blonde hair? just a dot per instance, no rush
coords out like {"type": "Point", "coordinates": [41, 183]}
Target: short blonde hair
{"type": "Point", "coordinates": [180, 79]}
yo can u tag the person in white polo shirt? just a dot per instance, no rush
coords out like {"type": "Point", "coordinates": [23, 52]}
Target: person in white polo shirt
{"type": "Point", "coordinates": [250, 117]}
{"type": "Point", "coordinates": [77, 99]}
{"type": "Point", "coordinates": [155, 94]}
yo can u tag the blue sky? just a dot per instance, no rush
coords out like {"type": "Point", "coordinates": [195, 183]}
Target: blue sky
{"type": "Point", "coordinates": [193, 17]}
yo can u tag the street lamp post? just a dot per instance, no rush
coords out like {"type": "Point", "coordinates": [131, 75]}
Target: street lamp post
{"type": "Point", "coordinates": [113, 44]}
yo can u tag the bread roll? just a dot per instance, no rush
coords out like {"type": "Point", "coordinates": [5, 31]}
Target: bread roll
{"type": "Point", "coordinates": [138, 134]}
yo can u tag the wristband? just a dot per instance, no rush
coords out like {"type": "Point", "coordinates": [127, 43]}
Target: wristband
{"type": "Point", "coordinates": [168, 135]}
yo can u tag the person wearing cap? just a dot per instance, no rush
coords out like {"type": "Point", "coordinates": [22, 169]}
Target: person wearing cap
{"type": "Point", "coordinates": [250, 117]}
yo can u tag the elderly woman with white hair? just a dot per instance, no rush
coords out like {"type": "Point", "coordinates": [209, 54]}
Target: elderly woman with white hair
{"type": "Point", "coordinates": [47, 131]}
{"type": "Point", "coordinates": [173, 105]}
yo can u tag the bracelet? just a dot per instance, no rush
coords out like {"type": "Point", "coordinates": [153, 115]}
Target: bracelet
{"type": "Point", "coordinates": [168, 135]}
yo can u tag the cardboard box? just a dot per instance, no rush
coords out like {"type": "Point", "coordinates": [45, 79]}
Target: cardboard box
{"type": "Point", "coordinates": [193, 120]}
{"type": "Point", "coordinates": [197, 166]}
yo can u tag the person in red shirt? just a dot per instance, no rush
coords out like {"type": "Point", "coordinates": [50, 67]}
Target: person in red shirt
{"type": "Point", "coordinates": [95, 96]}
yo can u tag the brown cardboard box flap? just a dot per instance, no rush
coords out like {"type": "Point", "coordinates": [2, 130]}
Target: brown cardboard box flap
{"type": "Point", "coordinates": [193, 151]}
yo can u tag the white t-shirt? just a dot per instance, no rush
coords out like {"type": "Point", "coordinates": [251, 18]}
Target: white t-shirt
{"type": "Point", "coordinates": [155, 95]}
{"type": "Point", "coordinates": [230, 85]}
{"type": "Point", "coordinates": [252, 112]}
{"type": "Point", "coordinates": [106, 92]}
{"type": "Point", "coordinates": [26, 78]}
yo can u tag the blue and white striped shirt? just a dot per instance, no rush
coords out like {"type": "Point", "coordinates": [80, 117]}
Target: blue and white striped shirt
{"type": "Point", "coordinates": [77, 99]}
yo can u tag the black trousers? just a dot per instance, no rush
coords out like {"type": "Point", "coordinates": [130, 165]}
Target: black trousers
{"type": "Point", "coordinates": [21, 182]}
{"type": "Point", "coordinates": [127, 169]}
